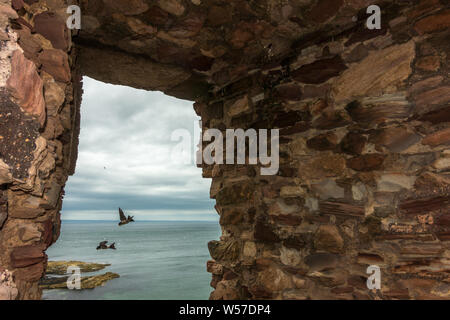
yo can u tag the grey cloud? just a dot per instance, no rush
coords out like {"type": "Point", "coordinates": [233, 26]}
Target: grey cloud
{"type": "Point", "coordinates": [123, 153]}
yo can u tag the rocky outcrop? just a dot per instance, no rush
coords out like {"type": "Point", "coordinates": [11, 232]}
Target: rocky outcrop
{"type": "Point", "coordinates": [56, 270]}
{"type": "Point", "coordinates": [89, 282]}
{"type": "Point", "coordinates": [364, 134]}
{"type": "Point", "coordinates": [60, 267]}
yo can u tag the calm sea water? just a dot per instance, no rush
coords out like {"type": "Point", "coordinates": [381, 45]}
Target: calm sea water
{"type": "Point", "coordinates": [155, 259]}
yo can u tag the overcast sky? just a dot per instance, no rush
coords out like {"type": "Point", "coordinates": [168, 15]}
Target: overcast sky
{"type": "Point", "coordinates": [124, 158]}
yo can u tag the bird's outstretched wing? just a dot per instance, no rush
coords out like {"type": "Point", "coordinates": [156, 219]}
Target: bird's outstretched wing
{"type": "Point", "coordinates": [122, 215]}
{"type": "Point", "coordinates": [103, 243]}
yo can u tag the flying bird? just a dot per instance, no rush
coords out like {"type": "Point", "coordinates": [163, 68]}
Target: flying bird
{"type": "Point", "coordinates": [123, 219]}
{"type": "Point", "coordinates": [103, 245]}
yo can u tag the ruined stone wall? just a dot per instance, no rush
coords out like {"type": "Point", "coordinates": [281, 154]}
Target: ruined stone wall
{"type": "Point", "coordinates": [38, 137]}
{"type": "Point", "coordinates": [364, 177]}
{"type": "Point", "coordinates": [364, 134]}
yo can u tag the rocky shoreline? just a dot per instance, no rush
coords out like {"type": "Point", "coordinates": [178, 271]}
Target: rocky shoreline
{"type": "Point", "coordinates": [56, 275]}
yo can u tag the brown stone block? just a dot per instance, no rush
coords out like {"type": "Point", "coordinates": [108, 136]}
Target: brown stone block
{"type": "Point", "coordinates": [318, 106]}
{"type": "Point", "coordinates": [357, 54]}
{"type": "Point", "coordinates": [399, 294]}
{"type": "Point", "coordinates": [224, 251]}
{"type": "Point", "coordinates": [296, 241]}
{"type": "Point", "coordinates": [258, 292]}
{"type": "Point", "coordinates": [395, 139]}
{"type": "Point", "coordinates": [274, 279]}
{"type": "Point", "coordinates": [174, 7]}
{"type": "Point", "coordinates": [264, 231]}
{"type": "Point", "coordinates": [373, 75]}
{"type": "Point", "coordinates": [367, 162]}
{"type": "Point", "coordinates": [330, 278]}
{"type": "Point", "coordinates": [353, 143]}
{"type": "Point", "coordinates": [322, 142]}
{"type": "Point", "coordinates": [433, 23]}
{"type": "Point", "coordinates": [369, 258]}
{"type": "Point", "coordinates": [229, 275]}
{"type": "Point", "coordinates": [320, 71]}
{"type": "Point", "coordinates": [287, 219]}
{"type": "Point", "coordinates": [289, 91]}
{"type": "Point", "coordinates": [30, 273]}
{"type": "Point", "coordinates": [328, 238]}
{"type": "Point", "coordinates": [17, 4]}
{"type": "Point", "coordinates": [299, 127]}
{"type": "Point", "coordinates": [47, 235]}
{"type": "Point", "coordinates": [423, 206]}
{"type": "Point", "coordinates": [231, 216]}
{"type": "Point", "coordinates": [437, 116]}
{"type": "Point", "coordinates": [432, 97]}
{"type": "Point", "coordinates": [340, 208]}
{"type": "Point", "coordinates": [55, 63]}
{"type": "Point", "coordinates": [321, 166]}
{"type": "Point", "coordinates": [328, 188]}
{"type": "Point", "coordinates": [26, 86]}
{"type": "Point", "coordinates": [419, 250]}
{"type": "Point", "coordinates": [322, 261]}
{"type": "Point", "coordinates": [431, 185]}
{"type": "Point", "coordinates": [443, 220]}
{"type": "Point", "coordinates": [53, 28]}
{"type": "Point", "coordinates": [423, 7]}
{"type": "Point", "coordinates": [425, 84]}
{"type": "Point", "coordinates": [441, 137]}
{"type": "Point", "coordinates": [214, 268]}
{"type": "Point", "coordinates": [358, 282]}
{"type": "Point", "coordinates": [25, 206]}
{"type": "Point", "coordinates": [30, 45]}
{"type": "Point", "coordinates": [236, 193]}
{"type": "Point", "coordinates": [430, 63]}
{"type": "Point", "coordinates": [378, 112]}
{"type": "Point", "coordinates": [27, 256]}
{"type": "Point", "coordinates": [291, 118]}
{"type": "Point", "coordinates": [215, 279]}
{"type": "Point", "coordinates": [311, 91]}
{"type": "Point", "coordinates": [443, 236]}
{"type": "Point", "coordinates": [330, 119]}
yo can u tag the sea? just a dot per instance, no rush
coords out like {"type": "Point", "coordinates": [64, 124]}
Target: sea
{"type": "Point", "coordinates": [156, 260]}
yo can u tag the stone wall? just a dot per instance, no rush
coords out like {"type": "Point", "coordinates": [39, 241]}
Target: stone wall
{"type": "Point", "coordinates": [364, 134]}
{"type": "Point", "coordinates": [39, 135]}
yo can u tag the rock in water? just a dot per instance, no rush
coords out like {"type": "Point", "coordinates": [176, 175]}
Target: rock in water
{"type": "Point", "coordinates": [60, 267]}
{"type": "Point", "coordinates": [89, 282]}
